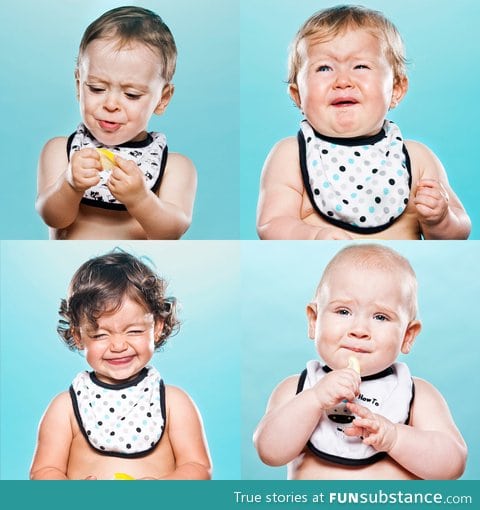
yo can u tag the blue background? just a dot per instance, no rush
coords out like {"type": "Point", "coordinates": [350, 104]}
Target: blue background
{"type": "Point", "coordinates": [203, 359]}
{"type": "Point", "coordinates": [280, 279]}
{"type": "Point", "coordinates": [440, 109]}
{"type": "Point", "coordinates": [39, 42]}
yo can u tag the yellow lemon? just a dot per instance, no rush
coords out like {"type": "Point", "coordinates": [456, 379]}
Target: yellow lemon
{"type": "Point", "coordinates": [354, 364]}
{"type": "Point", "coordinates": [122, 476]}
{"type": "Point", "coordinates": [107, 158]}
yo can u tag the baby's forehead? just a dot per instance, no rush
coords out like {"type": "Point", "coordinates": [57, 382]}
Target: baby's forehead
{"type": "Point", "coordinates": [348, 267]}
{"type": "Point", "coordinates": [325, 35]}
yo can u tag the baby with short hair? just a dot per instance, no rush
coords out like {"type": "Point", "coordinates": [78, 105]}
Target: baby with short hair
{"type": "Point", "coordinates": [358, 413]}
{"type": "Point", "coordinates": [111, 178]}
{"type": "Point", "coordinates": [120, 420]}
{"type": "Point", "coordinates": [350, 173]}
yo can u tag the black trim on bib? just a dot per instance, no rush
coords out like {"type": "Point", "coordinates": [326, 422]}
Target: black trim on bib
{"type": "Point", "coordinates": [344, 460]}
{"type": "Point", "coordinates": [350, 142]}
{"type": "Point", "coordinates": [121, 386]}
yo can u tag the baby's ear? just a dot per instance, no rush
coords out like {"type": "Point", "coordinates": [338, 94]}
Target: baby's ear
{"type": "Point", "coordinates": [157, 330]}
{"type": "Point", "coordinates": [400, 88]}
{"type": "Point", "coordinates": [77, 339]}
{"type": "Point", "coordinates": [77, 83]}
{"type": "Point", "coordinates": [295, 94]}
{"type": "Point", "coordinates": [312, 319]}
{"type": "Point", "coordinates": [167, 94]}
{"type": "Point", "coordinates": [413, 329]}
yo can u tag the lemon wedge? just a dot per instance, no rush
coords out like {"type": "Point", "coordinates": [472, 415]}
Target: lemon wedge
{"type": "Point", "coordinates": [122, 476]}
{"type": "Point", "coordinates": [354, 364]}
{"type": "Point", "coordinates": [107, 158]}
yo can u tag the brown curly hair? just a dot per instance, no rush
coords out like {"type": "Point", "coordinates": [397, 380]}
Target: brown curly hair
{"type": "Point", "coordinates": [101, 284]}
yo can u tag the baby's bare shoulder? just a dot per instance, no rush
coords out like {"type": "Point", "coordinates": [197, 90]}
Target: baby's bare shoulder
{"type": "Point", "coordinates": [180, 163]}
{"type": "Point", "coordinates": [424, 162]}
{"type": "Point", "coordinates": [56, 145]}
{"type": "Point", "coordinates": [175, 397]}
{"type": "Point", "coordinates": [284, 391]}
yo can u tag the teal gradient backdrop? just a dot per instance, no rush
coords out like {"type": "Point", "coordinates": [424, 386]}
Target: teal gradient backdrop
{"type": "Point", "coordinates": [440, 109]}
{"type": "Point", "coordinates": [203, 359]}
{"type": "Point", "coordinates": [279, 280]}
{"type": "Point", "coordinates": [39, 42]}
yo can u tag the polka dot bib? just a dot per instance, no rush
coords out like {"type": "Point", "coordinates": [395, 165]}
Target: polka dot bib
{"type": "Point", "coordinates": [359, 184]}
{"type": "Point", "coordinates": [388, 393]}
{"type": "Point", "coordinates": [124, 420]}
{"type": "Point", "coordinates": [150, 155]}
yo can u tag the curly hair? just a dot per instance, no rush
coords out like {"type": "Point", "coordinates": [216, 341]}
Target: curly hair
{"type": "Point", "coordinates": [101, 284]}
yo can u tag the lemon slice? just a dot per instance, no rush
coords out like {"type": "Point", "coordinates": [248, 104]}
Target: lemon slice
{"type": "Point", "coordinates": [122, 476]}
{"type": "Point", "coordinates": [107, 158]}
{"type": "Point", "coordinates": [354, 364]}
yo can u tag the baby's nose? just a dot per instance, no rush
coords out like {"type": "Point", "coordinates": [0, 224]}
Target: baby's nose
{"type": "Point", "coordinates": [118, 343]}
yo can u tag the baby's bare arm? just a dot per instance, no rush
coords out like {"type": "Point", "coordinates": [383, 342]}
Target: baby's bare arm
{"type": "Point", "coordinates": [187, 437]}
{"type": "Point", "coordinates": [60, 186]}
{"type": "Point", "coordinates": [430, 447]}
{"type": "Point", "coordinates": [440, 213]}
{"type": "Point", "coordinates": [168, 215]}
{"type": "Point", "coordinates": [291, 418]}
{"type": "Point", "coordinates": [55, 436]}
{"type": "Point", "coordinates": [280, 199]}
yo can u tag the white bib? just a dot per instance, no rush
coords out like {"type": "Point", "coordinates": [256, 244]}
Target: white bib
{"type": "Point", "coordinates": [389, 394]}
{"type": "Point", "coordinates": [359, 184]}
{"type": "Point", "coordinates": [150, 155]}
{"type": "Point", "coordinates": [123, 420]}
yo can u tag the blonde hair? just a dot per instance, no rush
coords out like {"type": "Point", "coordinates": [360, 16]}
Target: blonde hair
{"type": "Point", "coordinates": [134, 24]}
{"type": "Point", "coordinates": [328, 23]}
{"type": "Point", "coordinates": [375, 256]}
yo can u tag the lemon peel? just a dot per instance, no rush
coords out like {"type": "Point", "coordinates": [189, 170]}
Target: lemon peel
{"type": "Point", "coordinates": [354, 364]}
{"type": "Point", "coordinates": [122, 476]}
{"type": "Point", "coordinates": [107, 158]}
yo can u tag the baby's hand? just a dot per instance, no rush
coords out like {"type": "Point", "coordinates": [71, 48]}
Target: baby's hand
{"type": "Point", "coordinates": [332, 233]}
{"type": "Point", "coordinates": [83, 170]}
{"type": "Point", "coordinates": [431, 201]}
{"type": "Point", "coordinates": [375, 430]}
{"type": "Point", "coordinates": [337, 386]}
{"type": "Point", "coordinates": [127, 182]}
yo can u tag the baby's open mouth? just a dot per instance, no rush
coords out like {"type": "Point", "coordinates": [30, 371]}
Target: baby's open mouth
{"type": "Point", "coordinates": [344, 101]}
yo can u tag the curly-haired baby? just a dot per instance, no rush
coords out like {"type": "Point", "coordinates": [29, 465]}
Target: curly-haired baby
{"type": "Point", "coordinates": [120, 417]}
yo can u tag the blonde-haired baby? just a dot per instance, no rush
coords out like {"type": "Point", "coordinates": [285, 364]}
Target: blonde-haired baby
{"type": "Point", "coordinates": [358, 413]}
{"type": "Point", "coordinates": [350, 173]}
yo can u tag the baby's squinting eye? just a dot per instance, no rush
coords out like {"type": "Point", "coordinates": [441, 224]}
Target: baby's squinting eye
{"type": "Point", "coordinates": [134, 97]}
{"type": "Point", "coordinates": [380, 317]}
{"type": "Point", "coordinates": [362, 66]}
{"type": "Point", "coordinates": [323, 68]}
{"type": "Point", "coordinates": [100, 336]}
{"type": "Point", "coordinates": [343, 311]}
{"type": "Point", "coordinates": [95, 90]}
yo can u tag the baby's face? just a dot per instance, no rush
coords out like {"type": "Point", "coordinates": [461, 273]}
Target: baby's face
{"type": "Point", "coordinates": [122, 343]}
{"type": "Point", "coordinates": [345, 85]}
{"type": "Point", "coordinates": [364, 313]}
{"type": "Point", "coordinates": [119, 89]}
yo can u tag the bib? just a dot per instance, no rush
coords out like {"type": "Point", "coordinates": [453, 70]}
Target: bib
{"type": "Point", "coordinates": [120, 420]}
{"type": "Point", "coordinates": [389, 393]}
{"type": "Point", "coordinates": [358, 184]}
{"type": "Point", "coordinates": [150, 155]}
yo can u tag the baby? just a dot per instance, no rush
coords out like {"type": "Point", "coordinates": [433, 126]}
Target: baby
{"type": "Point", "coordinates": [134, 189]}
{"type": "Point", "coordinates": [350, 174]}
{"type": "Point", "coordinates": [361, 415]}
{"type": "Point", "coordinates": [120, 420]}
